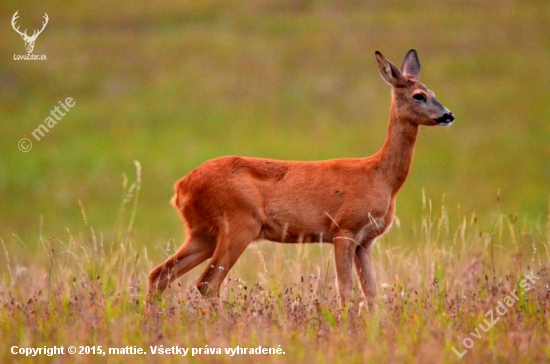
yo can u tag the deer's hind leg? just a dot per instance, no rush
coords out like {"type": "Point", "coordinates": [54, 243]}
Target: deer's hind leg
{"type": "Point", "coordinates": [236, 233]}
{"type": "Point", "coordinates": [196, 249]}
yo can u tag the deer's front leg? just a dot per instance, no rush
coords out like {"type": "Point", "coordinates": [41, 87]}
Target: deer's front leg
{"type": "Point", "coordinates": [344, 251]}
{"type": "Point", "coordinates": [365, 271]}
{"type": "Point", "coordinates": [363, 255]}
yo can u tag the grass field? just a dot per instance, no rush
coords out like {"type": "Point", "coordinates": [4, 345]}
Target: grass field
{"type": "Point", "coordinates": [171, 85]}
{"type": "Point", "coordinates": [485, 294]}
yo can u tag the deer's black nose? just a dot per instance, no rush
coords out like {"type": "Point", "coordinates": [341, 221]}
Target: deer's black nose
{"type": "Point", "coordinates": [446, 118]}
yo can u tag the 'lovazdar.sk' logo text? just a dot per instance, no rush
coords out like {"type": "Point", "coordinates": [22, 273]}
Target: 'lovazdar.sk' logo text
{"type": "Point", "coordinates": [29, 40]}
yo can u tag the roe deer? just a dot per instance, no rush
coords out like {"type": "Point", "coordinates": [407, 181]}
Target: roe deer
{"type": "Point", "coordinates": [229, 202]}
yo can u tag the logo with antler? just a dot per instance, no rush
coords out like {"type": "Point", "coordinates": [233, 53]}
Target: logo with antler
{"type": "Point", "coordinates": [29, 40]}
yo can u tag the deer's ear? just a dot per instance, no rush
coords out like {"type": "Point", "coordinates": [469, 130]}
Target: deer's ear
{"type": "Point", "coordinates": [411, 65]}
{"type": "Point", "coordinates": [391, 74]}
{"type": "Point", "coordinates": [23, 36]}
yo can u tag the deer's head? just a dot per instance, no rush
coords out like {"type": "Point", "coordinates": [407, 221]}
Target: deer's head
{"type": "Point", "coordinates": [29, 40]}
{"type": "Point", "coordinates": [414, 102]}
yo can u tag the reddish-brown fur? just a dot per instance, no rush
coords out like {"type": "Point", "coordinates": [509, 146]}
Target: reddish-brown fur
{"type": "Point", "coordinates": [229, 202]}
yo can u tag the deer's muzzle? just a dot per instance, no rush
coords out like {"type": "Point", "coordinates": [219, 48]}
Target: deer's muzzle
{"type": "Point", "coordinates": [445, 119]}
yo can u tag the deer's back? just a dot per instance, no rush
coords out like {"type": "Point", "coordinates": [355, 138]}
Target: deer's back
{"type": "Point", "coordinates": [285, 197]}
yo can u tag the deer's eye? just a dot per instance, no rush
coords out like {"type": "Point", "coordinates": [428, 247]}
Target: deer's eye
{"type": "Point", "coordinates": [419, 97]}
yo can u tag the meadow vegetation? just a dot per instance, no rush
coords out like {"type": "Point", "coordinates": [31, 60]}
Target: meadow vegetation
{"type": "Point", "coordinates": [450, 287]}
{"type": "Point", "coordinates": [171, 85]}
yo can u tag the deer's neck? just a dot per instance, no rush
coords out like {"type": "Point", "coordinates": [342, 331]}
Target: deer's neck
{"type": "Point", "coordinates": [395, 157]}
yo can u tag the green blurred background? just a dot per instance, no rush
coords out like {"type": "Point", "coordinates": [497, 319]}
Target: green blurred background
{"type": "Point", "coordinates": [172, 84]}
